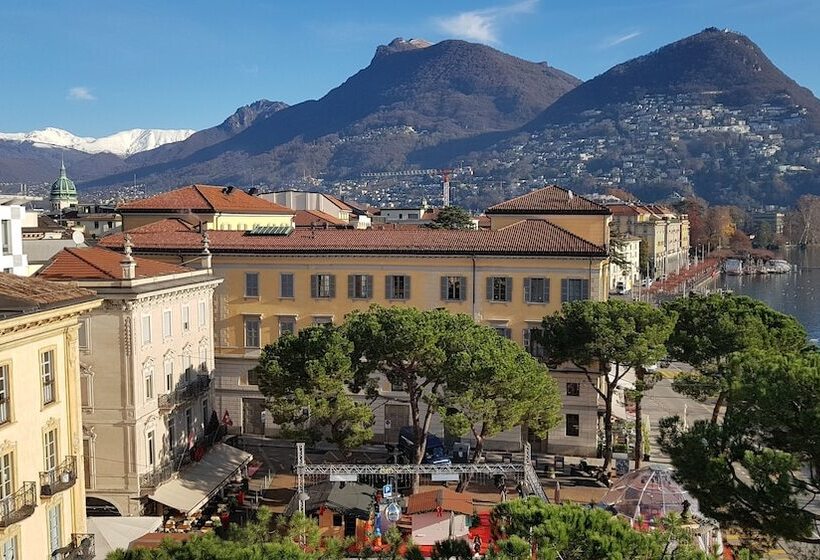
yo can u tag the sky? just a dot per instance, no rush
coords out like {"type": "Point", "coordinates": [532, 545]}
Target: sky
{"type": "Point", "coordinates": [95, 67]}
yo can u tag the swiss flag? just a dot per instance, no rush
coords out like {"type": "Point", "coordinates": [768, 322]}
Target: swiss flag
{"type": "Point", "coordinates": [226, 419]}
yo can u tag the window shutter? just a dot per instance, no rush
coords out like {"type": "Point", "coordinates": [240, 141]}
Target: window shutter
{"type": "Point", "coordinates": [406, 287]}
{"type": "Point", "coordinates": [546, 290]}
{"type": "Point", "coordinates": [508, 282]}
{"type": "Point", "coordinates": [314, 285]}
{"type": "Point", "coordinates": [527, 291]}
{"type": "Point", "coordinates": [490, 288]}
{"type": "Point", "coordinates": [526, 339]}
{"type": "Point", "coordinates": [444, 286]}
{"type": "Point", "coordinates": [585, 289]}
{"type": "Point", "coordinates": [388, 287]}
{"type": "Point", "coordinates": [368, 289]}
{"type": "Point", "coordinates": [462, 288]}
{"type": "Point", "coordinates": [564, 290]}
{"type": "Point", "coordinates": [333, 285]}
{"type": "Point", "coordinates": [351, 286]}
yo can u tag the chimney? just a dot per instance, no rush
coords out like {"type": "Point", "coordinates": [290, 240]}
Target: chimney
{"type": "Point", "coordinates": [128, 264]}
{"type": "Point", "coordinates": [205, 255]}
{"type": "Point", "coordinates": [569, 194]}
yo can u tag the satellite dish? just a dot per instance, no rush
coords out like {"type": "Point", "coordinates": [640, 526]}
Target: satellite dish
{"type": "Point", "coordinates": [77, 237]}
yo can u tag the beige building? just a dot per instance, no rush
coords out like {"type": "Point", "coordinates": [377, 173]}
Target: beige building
{"type": "Point", "coordinates": [623, 277]}
{"type": "Point", "coordinates": [146, 360]}
{"type": "Point", "coordinates": [42, 504]}
{"type": "Point", "coordinates": [508, 277]}
{"type": "Point", "coordinates": [663, 233]}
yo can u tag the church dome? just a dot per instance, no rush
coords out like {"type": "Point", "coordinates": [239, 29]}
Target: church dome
{"type": "Point", "coordinates": [63, 188]}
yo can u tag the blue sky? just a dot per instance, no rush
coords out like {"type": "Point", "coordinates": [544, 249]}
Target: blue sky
{"type": "Point", "coordinates": [96, 66]}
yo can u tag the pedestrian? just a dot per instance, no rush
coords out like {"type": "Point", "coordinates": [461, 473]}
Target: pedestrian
{"type": "Point", "coordinates": [477, 545]}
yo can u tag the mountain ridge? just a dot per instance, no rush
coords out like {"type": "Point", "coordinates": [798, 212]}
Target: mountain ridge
{"type": "Point", "coordinates": [123, 143]}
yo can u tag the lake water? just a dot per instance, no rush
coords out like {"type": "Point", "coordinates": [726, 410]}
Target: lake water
{"type": "Point", "coordinates": [796, 293]}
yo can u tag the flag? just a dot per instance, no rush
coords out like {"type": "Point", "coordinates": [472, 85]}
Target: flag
{"type": "Point", "coordinates": [226, 419]}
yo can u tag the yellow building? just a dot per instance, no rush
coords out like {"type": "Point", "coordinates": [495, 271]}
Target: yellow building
{"type": "Point", "coordinates": [42, 497]}
{"type": "Point", "coordinates": [221, 208]}
{"type": "Point", "coordinates": [508, 277]}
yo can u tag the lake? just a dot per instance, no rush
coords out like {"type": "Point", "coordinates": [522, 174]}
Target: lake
{"type": "Point", "coordinates": [796, 293]}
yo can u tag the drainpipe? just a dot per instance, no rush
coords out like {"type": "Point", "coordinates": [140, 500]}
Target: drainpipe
{"type": "Point", "coordinates": [475, 287]}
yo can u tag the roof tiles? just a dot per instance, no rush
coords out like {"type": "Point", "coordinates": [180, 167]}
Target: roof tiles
{"type": "Point", "coordinates": [96, 263]}
{"type": "Point", "coordinates": [549, 200]}
{"type": "Point", "coordinates": [205, 199]}
{"type": "Point", "coordinates": [20, 294]}
{"type": "Point", "coordinates": [446, 499]}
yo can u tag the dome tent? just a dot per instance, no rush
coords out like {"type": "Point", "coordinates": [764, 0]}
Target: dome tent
{"type": "Point", "coordinates": [649, 493]}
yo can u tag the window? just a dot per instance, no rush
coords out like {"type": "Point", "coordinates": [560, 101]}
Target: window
{"type": "Point", "coordinates": [50, 451]}
{"type": "Point", "coordinates": [5, 402]}
{"type": "Point", "coordinates": [359, 286]}
{"type": "Point", "coordinates": [531, 341]}
{"type": "Point", "coordinates": [55, 528]}
{"type": "Point", "coordinates": [151, 448]}
{"type": "Point", "coordinates": [5, 237]}
{"type": "Point", "coordinates": [322, 286]}
{"type": "Point", "coordinates": [10, 549]}
{"type": "Point", "coordinates": [202, 313]}
{"type": "Point", "coordinates": [499, 288]}
{"type": "Point", "coordinates": [186, 365]}
{"type": "Point", "coordinates": [252, 328]}
{"type": "Point", "coordinates": [337, 520]}
{"type": "Point", "coordinates": [322, 320]}
{"type": "Point", "coordinates": [88, 463]}
{"type": "Point", "coordinates": [252, 284]}
{"type": "Point", "coordinates": [206, 412]}
{"type": "Point", "coordinates": [286, 285]}
{"type": "Point", "coordinates": [86, 390]}
{"type": "Point", "coordinates": [573, 422]}
{"type": "Point", "coordinates": [573, 389]}
{"type": "Point", "coordinates": [186, 318]}
{"type": "Point", "coordinates": [149, 383]}
{"type": "Point", "coordinates": [82, 335]}
{"type": "Point", "coordinates": [253, 377]}
{"type": "Point", "coordinates": [573, 289]}
{"type": "Point", "coordinates": [503, 331]}
{"type": "Point", "coordinates": [537, 290]}
{"type": "Point", "coordinates": [168, 370]}
{"type": "Point", "coordinates": [172, 433]}
{"type": "Point", "coordinates": [146, 329]}
{"type": "Point", "coordinates": [453, 288]}
{"type": "Point", "coordinates": [6, 475]}
{"type": "Point", "coordinates": [397, 287]}
{"type": "Point", "coordinates": [166, 323]}
{"type": "Point", "coordinates": [47, 376]}
{"type": "Point", "coordinates": [287, 325]}
{"type": "Point", "coordinates": [189, 422]}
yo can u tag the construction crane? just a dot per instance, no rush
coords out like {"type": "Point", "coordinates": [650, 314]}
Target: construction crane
{"type": "Point", "coordinates": [444, 174]}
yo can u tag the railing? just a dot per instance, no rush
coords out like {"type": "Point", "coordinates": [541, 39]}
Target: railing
{"type": "Point", "coordinates": [61, 478]}
{"type": "Point", "coordinates": [184, 393]}
{"type": "Point", "coordinates": [81, 546]}
{"type": "Point", "coordinates": [165, 470]}
{"type": "Point", "coordinates": [19, 505]}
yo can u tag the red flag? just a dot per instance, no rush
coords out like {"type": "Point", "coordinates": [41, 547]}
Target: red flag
{"type": "Point", "coordinates": [226, 419]}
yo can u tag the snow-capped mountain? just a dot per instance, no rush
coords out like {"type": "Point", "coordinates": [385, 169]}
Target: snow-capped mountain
{"type": "Point", "coordinates": [123, 144]}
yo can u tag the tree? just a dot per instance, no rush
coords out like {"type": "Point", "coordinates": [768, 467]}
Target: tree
{"type": "Point", "coordinates": [711, 328]}
{"type": "Point", "coordinates": [760, 467]}
{"type": "Point", "coordinates": [606, 339]}
{"type": "Point", "coordinates": [494, 386]}
{"type": "Point", "coordinates": [453, 217]}
{"type": "Point", "coordinates": [307, 380]}
{"type": "Point", "coordinates": [719, 225]}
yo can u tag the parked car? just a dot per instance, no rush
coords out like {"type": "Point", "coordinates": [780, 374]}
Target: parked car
{"type": "Point", "coordinates": [434, 453]}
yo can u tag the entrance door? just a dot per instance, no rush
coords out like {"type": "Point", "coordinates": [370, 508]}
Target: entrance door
{"type": "Point", "coordinates": [395, 416]}
{"type": "Point", "coordinates": [252, 415]}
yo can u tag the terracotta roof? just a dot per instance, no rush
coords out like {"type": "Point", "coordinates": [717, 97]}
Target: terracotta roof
{"type": "Point", "coordinates": [447, 499]}
{"type": "Point", "coordinates": [626, 210]}
{"type": "Point", "coordinates": [527, 237]}
{"type": "Point", "coordinates": [96, 263]}
{"type": "Point", "coordinates": [307, 218]}
{"type": "Point", "coordinates": [19, 294]}
{"type": "Point", "coordinates": [205, 199]}
{"type": "Point", "coordinates": [551, 199]}
{"type": "Point", "coordinates": [338, 202]}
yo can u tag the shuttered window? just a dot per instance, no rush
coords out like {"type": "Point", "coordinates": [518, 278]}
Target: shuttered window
{"type": "Point", "coordinates": [503, 331]}
{"type": "Point", "coordinates": [55, 523]}
{"type": "Point", "coordinates": [251, 284]}
{"type": "Point", "coordinates": [499, 288]}
{"type": "Point", "coordinates": [5, 403]}
{"type": "Point", "coordinates": [574, 289]}
{"type": "Point", "coordinates": [286, 285]}
{"type": "Point", "coordinates": [359, 286]}
{"type": "Point", "coordinates": [252, 332]}
{"type": "Point", "coordinates": [453, 288]}
{"type": "Point", "coordinates": [397, 287]}
{"type": "Point", "coordinates": [532, 342]}
{"type": "Point", "coordinates": [573, 425]}
{"type": "Point", "coordinates": [537, 290]}
{"type": "Point", "coordinates": [323, 286]}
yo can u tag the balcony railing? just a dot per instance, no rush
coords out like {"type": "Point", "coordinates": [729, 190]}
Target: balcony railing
{"type": "Point", "coordinates": [60, 478]}
{"type": "Point", "coordinates": [184, 393]}
{"type": "Point", "coordinates": [81, 546]}
{"type": "Point", "coordinates": [19, 505]}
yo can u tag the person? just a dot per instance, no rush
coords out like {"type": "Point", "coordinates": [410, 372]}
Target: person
{"type": "Point", "coordinates": [520, 489]}
{"type": "Point", "coordinates": [477, 544]}
{"type": "Point", "coordinates": [584, 465]}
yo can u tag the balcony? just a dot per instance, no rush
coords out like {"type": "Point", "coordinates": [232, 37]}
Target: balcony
{"type": "Point", "coordinates": [185, 393]}
{"type": "Point", "coordinates": [19, 505]}
{"type": "Point", "coordinates": [60, 478]}
{"type": "Point", "coordinates": [81, 546]}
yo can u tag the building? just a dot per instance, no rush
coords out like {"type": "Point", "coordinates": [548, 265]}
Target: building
{"type": "Point", "coordinates": [320, 207]}
{"type": "Point", "coordinates": [623, 277]}
{"type": "Point", "coordinates": [63, 193]}
{"type": "Point", "coordinates": [146, 360]}
{"type": "Point", "coordinates": [220, 208]}
{"type": "Point", "coordinates": [283, 280]}
{"type": "Point", "coordinates": [438, 515]}
{"type": "Point", "coordinates": [13, 217]}
{"type": "Point", "coordinates": [42, 504]}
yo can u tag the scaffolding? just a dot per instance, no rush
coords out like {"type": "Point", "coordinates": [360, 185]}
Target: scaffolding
{"type": "Point", "coordinates": [377, 475]}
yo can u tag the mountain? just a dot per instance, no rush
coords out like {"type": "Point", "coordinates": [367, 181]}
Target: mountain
{"type": "Point", "coordinates": [124, 143]}
{"type": "Point", "coordinates": [411, 95]}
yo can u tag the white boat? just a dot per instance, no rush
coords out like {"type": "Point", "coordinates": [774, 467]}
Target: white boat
{"type": "Point", "coordinates": [779, 266]}
{"type": "Point", "coordinates": [733, 267]}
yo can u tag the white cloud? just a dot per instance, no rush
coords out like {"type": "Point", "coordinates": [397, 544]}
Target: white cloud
{"type": "Point", "coordinates": [621, 39]}
{"type": "Point", "coordinates": [482, 25]}
{"type": "Point", "coordinates": [80, 93]}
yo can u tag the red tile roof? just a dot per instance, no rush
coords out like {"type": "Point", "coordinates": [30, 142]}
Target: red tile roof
{"type": "Point", "coordinates": [339, 202]}
{"type": "Point", "coordinates": [446, 499]}
{"type": "Point", "coordinates": [19, 294]}
{"type": "Point", "coordinates": [307, 218]}
{"type": "Point", "coordinates": [549, 200]}
{"type": "Point", "coordinates": [96, 263]}
{"type": "Point", "coordinates": [527, 237]}
{"type": "Point", "coordinates": [205, 199]}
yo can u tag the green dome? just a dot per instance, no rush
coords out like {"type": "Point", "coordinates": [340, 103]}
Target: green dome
{"type": "Point", "coordinates": [63, 188]}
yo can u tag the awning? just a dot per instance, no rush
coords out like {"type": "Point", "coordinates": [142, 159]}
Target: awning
{"type": "Point", "coordinates": [200, 481]}
{"type": "Point", "coordinates": [111, 533]}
